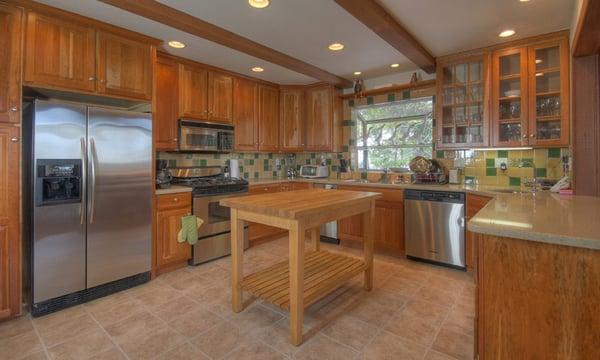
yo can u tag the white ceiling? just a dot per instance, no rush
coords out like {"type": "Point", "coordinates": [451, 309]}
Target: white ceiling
{"type": "Point", "coordinates": [449, 26]}
{"type": "Point", "coordinates": [303, 29]}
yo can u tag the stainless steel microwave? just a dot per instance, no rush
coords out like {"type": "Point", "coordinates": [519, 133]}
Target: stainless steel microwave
{"type": "Point", "coordinates": [205, 137]}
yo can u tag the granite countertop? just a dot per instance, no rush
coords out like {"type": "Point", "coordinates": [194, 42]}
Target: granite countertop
{"type": "Point", "coordinates": [490, 191]}
{"type": "Point", "coordinates": [542, 217]}
{"type": "Point", "coordinates": [174, 189]}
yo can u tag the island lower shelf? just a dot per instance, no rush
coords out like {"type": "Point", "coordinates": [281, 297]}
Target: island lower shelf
{"type": "Point", "coordinates": [323, 272]}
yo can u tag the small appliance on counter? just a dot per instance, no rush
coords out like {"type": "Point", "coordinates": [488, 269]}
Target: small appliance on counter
{"type": "Point", "coordinates": [454, 176]}
{"type": "Point", "coordinates": [314, 171]}
{"type": "Point", "coordinates": [163, 174]}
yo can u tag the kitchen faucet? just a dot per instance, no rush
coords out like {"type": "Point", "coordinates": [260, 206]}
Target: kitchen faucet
{"type": "Point", "coordinates": [532, 182]}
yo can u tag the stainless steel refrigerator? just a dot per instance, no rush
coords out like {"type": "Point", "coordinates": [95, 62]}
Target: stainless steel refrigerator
{"type": "Point", "coordinates": [90, 171]}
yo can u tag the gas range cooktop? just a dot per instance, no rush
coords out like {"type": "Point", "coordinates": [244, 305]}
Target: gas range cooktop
{"type": "Point", "coordinates": [208, 181]}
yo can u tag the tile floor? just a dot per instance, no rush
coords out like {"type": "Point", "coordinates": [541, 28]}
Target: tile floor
{"type": "Point", "coordinates": [415, 311]}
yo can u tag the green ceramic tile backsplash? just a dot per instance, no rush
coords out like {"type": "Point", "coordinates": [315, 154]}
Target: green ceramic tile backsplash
{"type": "Point", "coordinates": [483, 167]}
{"type": "Point", "coordinates": [257, 165]}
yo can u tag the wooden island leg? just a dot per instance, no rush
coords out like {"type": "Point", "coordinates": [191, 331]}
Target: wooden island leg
{"type": "Point", "coordinates": [315, 238]}
{"type": "Point", "coordinates": [237, 261]}
{"type": "Point", "coordinates": [297, 233]}
{"type": "Point", "coordinates": [368, 219]}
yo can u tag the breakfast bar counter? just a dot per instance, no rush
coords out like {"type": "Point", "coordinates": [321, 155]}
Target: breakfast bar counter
{"type": "Point", "coordinates": [303, 280]}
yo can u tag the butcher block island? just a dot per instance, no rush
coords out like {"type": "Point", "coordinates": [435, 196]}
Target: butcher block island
{"type": "Point", "coordinates": [295, 284]}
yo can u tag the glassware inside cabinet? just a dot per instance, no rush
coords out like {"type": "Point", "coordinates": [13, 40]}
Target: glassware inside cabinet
{"type": "Point", "coordinates": [548, 93]}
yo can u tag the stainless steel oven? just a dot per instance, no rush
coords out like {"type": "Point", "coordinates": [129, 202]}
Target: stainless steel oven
{"type": "Point", "coordinates": [215, 234]}
{"type": "Point", "coordinates": [205, 137]}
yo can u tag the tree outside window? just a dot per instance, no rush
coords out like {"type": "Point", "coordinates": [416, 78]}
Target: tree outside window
{"type": "Point", "coordinates": [390, 135]}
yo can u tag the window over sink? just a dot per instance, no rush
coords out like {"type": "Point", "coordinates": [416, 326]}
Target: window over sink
{"type": "Point", "coordinates": [389, 135]}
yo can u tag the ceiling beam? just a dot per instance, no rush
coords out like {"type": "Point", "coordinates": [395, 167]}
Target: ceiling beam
{"type": "Point", "coordinates": [378, 19]}
{"type": "Point", "coordinates": [180, 20]}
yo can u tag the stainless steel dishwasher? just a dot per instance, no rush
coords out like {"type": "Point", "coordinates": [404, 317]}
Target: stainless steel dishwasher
{"type": "Point", "coordinates": [329, 231]}
{"type": "Point", "coordinates": [434, 226]}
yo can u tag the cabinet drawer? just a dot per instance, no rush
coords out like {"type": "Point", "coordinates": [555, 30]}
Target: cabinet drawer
{"type": "Point", "coordinates": [265, 189]}
{"type": "Point", "coordinates": [170, 201]}
{"type": "Point", "coordinates": [393, 195]}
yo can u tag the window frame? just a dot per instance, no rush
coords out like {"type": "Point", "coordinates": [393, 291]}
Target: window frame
{"type": "Point", "coordinates": [360, 121]}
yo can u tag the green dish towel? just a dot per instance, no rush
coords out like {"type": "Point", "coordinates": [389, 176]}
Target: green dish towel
{"type": "Point", "coordinates": [189, 229]}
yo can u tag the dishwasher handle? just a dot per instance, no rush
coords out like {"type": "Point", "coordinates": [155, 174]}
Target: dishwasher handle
{"type": "Point", "coordinates": [437, 196]}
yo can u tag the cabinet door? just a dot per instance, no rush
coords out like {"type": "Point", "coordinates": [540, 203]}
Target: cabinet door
{"type": "Point", "coordinates": [292, 120]}
{"type": "Point", "coordinates": [245, 114]}
{"type": "Point", "coordinates": [220, 97]}
{"type": "Point", "coordinates": [59, 54]}
{"type": "Point", "coordinates": [124, 67]}
{"type": "Point", "coordinates": [193, 92]}
{"type": "Point", "coordinates": [10, 64]}
{"type": "Point", "coordinates": [319, 119]}
{"type": "Point", "coordinates": [464, 106]}
{"type": "Point", "coordinates": [268, 117]}
{"type": "Point", "coordinates": [509, 98]}
{"type": "Point", "coordinates": [10, 237]}
{"type": "Point", "coordinates": [474, 204]}
{"type": "Point", "coordinates": [165, 115]}
{"type": "Point", "coordinates": [549, 94]}
{"type": "Point", "coordinates": [389, 227]}
{"type": "Point", "coordinates": [168, 250]}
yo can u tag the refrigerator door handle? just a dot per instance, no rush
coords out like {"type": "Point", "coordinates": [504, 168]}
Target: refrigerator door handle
{"type": "Point", "coordinates": [83, 181]}
{"type": "Point", "coordinates": [92, 163]}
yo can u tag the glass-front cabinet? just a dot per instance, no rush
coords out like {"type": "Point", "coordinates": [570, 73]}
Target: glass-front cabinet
{"type": "Point", "coordinates": [509, 97]}
{"type": "Point", "coordinates": [462, 111]}
{"type": "Point", "coordinates": [530, 95]}
{"type": "Point", "coordinates": [549, 94]}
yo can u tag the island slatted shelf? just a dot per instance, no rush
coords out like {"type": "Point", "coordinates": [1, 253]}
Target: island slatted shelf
{"type": "Point", "coordinates": [305, 278]}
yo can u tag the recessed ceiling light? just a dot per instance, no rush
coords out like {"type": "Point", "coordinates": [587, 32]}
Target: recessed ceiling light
{"type": "Point", "coordinates": [507, 33]}
{"type": "Point", "coordinates": [395, 65]}
{"type": "Point", "coordinates": [259, 4]}
{"type": "Point", "coordinates": [538, 61]}
{"type": "Point", "coordinates": [524, 0]}
{"type": "Point", "coordinates": [357, 73]}
{"type": "Point", "coordinates": [176, 44]}
{"type": "Point", "coordinates": [258, 69]}
{"type": "Point", "coordinates": [336, 46]}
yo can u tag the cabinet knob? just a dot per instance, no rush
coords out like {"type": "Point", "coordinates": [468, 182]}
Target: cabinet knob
{"type": "Point", "coordinates": [14, 139]}
{"type": "Point", "coordinates": [175, 199]}
{"type": "Point", "coordinates": [102, 81]}
{"type": "Point", "coordinates": [438, 139]}
{"type": "Point", "coordinates": [91, 78]}
{"type": "Point", "coordinates": [524, 136]}
{"type": "Point", "coordinates": [14, 109]}
{"type": "Point", "coordinates": [532, 135]}
{"type": "Point", "coordinates": [174, 139]}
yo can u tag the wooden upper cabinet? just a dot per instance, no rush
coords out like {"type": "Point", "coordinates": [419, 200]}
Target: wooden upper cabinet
{"type": "Point", "coordinates": [124, 67]}
{"type": "Point", "coordinates": [548, 68]}
{"type": "Point", "coordinates": [509, 97]}
{"type": "Point", "coordinates": [245, 114]}
{"type": "Point", "coordinates": [323, 111]}
{"type": "Point", "coordinates": [193, 92]}
{"type": "Point", "coordinates": [220, 97]}
{"type": "Point", "coordinates": [10, 63]}
{"type": "Point", "coordinates": [462, 86]}
{"type": "Point", "coordinates": [268, 118]}
{"type": "Point", "coordinates": [292, 119]}
{"type": "Point", "coordinates": [10, 237]}
{"type": "Point", "coordinates": [166, 111]}
{"type": "Point", "coordinates": [59, 53]}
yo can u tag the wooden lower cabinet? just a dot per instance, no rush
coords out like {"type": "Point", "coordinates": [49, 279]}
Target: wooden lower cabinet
{"type": "Point", "coordinates": [389, 222]}
{"type": "Point", "coordinates": [474, 204]}
{"type": "Point", "coordinates": [536, 300]}
{"type": "Point", "coordinates": [10, 235]}
{"type": "Point", "coordinates": [169, 253]}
